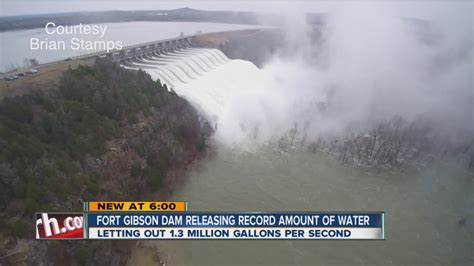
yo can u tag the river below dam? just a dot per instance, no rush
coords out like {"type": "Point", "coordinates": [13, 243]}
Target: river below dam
{"type": "Point", "coordinates": [422, 209]}
{"type": "Point", "coordinates": [428, 213]}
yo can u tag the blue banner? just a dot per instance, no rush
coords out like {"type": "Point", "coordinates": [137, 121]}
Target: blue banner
{"type": "Point", "coordinates": [236, 219]}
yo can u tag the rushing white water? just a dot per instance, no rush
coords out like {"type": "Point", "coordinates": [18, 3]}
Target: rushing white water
{"type": "Point", "coordinates": [424, 209]}
{"type": "Point", "coordinates": [214, 84]}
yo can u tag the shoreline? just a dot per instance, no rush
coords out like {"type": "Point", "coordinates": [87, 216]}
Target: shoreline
{"type": "Point", "coordinates": [147, 250]}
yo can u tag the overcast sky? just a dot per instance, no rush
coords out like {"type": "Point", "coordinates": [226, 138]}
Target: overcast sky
{"type": "Point", "coordinates": [420, 9]}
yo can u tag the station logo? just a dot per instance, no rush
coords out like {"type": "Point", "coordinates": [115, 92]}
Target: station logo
{"type": "Point", "coordinates": [59, 225]}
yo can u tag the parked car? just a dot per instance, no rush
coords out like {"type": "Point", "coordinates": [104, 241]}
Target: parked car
{"type": "Point", "coordinates": [12, 77]}
{"type": "Point", "coordinates": [32, 71]}
{"type": "Point", "coordinates": [22, 74]}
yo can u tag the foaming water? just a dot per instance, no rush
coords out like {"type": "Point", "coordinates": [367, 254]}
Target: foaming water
{"type": "Point", "coordinates": [423, 210]}
{"type": "Point", "coordinates": [217, 87]}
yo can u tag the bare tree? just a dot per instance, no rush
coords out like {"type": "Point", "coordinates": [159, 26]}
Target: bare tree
{"type": "Point", "coordinates": [305, 133]}
{"type": "Point", "coordinates": [293, 133]}
{"type": "Point", "coordinates": [33, 62]}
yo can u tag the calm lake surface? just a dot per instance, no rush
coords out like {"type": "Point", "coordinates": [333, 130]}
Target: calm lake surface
{"type": "Point", "coordinates": [15, 45]}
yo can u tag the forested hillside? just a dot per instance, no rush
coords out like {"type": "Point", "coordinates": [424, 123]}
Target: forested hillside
{"type": "Point", "coordinates": [103, 133]}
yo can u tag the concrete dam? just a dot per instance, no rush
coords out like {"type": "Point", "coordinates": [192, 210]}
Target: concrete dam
{"type": "Point", "coordinates": [179, 67]}
{"type": "Point", "coordinates": [215, 85]}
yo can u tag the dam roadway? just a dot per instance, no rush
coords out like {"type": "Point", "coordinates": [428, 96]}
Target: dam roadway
{"type": "Point", "coordinates": [131, 51]}
{"type": "Point", "coordinates": [49, 71]}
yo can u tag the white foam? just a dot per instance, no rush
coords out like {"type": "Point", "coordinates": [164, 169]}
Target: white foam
{"type": "Point", "coordinates": [227, 92]}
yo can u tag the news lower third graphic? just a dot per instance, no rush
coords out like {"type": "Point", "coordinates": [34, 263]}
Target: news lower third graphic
{"type": "Point", "coordinates": [59, 226]}
{"type": "Point", "coordinates": [172, 220]}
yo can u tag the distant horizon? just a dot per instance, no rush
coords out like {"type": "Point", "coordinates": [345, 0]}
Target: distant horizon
{"type": "Point", "coordinates": [457, 10]}
{"type": "Point", "coordinates": [203, 6]}
{"type": "Point", "coordinates": [114, 10]}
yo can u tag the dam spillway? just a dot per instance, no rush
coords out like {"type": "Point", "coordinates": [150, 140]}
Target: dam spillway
{"type": "Point", "coordinates": [210, 81]}
{"type": "Point", "coordinates": [178, 67]}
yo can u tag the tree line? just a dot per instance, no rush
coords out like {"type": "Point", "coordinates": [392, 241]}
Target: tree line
{"type": "Point", "coordinates": [48, 137]}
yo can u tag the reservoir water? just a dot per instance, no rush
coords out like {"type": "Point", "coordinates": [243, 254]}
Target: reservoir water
{"type": "Point", "coordinates": [15, 45]}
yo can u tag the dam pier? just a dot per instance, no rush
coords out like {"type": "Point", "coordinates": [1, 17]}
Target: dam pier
{"type": "Point", "coordinates": [131, 51]}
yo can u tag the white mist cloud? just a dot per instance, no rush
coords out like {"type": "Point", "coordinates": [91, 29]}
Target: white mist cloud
{"type": "Point", "coordinates": [370, 66]}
